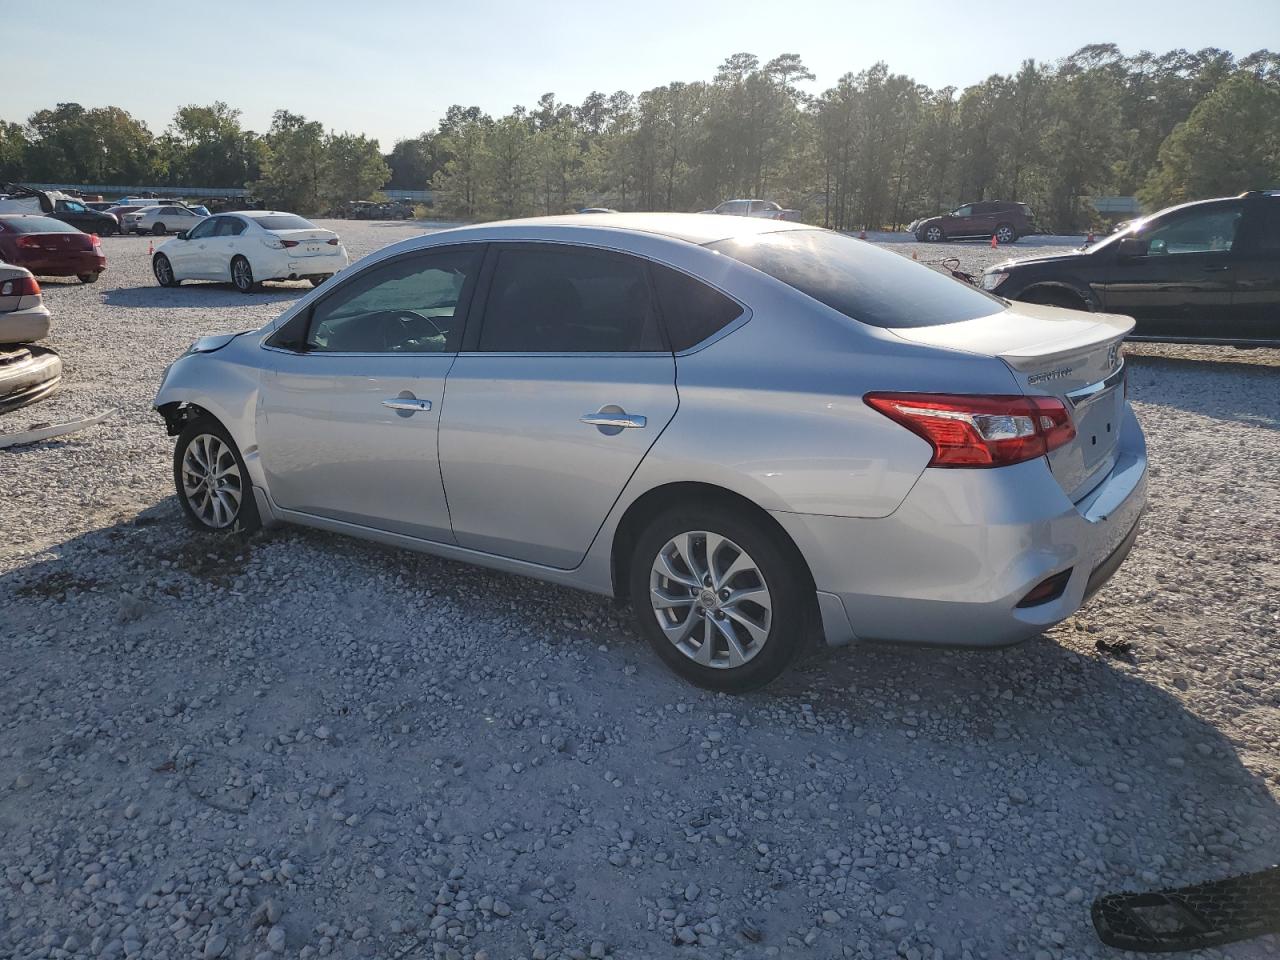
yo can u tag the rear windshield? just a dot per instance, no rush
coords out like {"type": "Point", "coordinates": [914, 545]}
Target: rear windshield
{"type": "Point", "coordinates": [860, 280]}
{"type": "Point", "coordinates": [38, 225]}
{"type": "Point", "coordinates": [284, 221]}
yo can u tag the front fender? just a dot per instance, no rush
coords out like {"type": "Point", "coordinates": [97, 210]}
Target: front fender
{"type": "Point", "coordinates": [226, 391]}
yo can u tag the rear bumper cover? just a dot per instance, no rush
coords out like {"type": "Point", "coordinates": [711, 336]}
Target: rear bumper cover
{"type": "Point", "coordinates": [949, 567]}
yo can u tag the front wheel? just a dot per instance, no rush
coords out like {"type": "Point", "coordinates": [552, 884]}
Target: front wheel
{"type": "Point", "coordinates": [87, 277]}
{"type": "Point", "coordinates": [718, 596]}
{"type": "Point", "coordinates": [212, 482]}
{"type": "Point", "coordinates": [934, 235]}
{"type": "Point", "coordinates": [163, 270]}
{"type": "Point", "coordinates": [242, 275]}
{"type": "Point", "coordinates": [1006, 234]}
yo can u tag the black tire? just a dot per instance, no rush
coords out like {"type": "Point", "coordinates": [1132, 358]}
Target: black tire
{"type": "Point", "coordinates": [933, 234]}
{"type": "Point", "coordinates": [245, 518]}
{"type": "Point", "coordinates": [1056, 297]}
{"type": "Point", "coordinates": [158, 229]}
{"type": "Point", "coordinates": [163, 271]}
{"type": "Point", "coordinates": [87, 277]}
{"type": "Point", "coordinates": [778, 565]}
{"type": "Point", "coordinates": [107, 231]}
{"type": "Point", "coordinates": [242, 275]}
{"type": "Point", "coordinates": [1005, 233]}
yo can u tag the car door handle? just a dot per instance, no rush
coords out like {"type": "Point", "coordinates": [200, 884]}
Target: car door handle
{"type": "Point", "coordinates": [407, 404]}
{"type": "Point", "coordinates": [620, 421]}
{"type": "Point", "coordinates": [1217, 268]}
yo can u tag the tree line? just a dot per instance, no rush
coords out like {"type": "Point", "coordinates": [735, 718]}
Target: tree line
{"type": "Point", "coordinates": [877, 149]}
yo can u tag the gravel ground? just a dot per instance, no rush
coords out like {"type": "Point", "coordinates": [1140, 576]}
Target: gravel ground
{"type": "Point", "coordinates": [301, 745]}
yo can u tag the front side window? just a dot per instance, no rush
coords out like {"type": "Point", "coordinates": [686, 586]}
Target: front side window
{"type": "Point", "coordinates": [1200, 231]}
{"type": "Point", "coordinates": [409, 305]}
{"type": "Point", "coordinates": [70, 206]}
{"type": "Point", "coordinates": [862, 281]}
{"type": "Point", "coordinates": [202, 230]}
{"type": "Point", "coordinates": [963, 211]}
{"type": "Point", "coordinates": [569, 300]}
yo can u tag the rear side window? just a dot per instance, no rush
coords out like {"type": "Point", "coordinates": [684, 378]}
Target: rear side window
{"type": "Point", "coordinates": [692, 311]}
{"type": "Point", "coordinates": [230, 227]}
{"type": "Point", "coordinates": [860, 280]}
{"type": "Point", "coordinates": [569, 300]}
{"type": "Point", "coordinates": [38, 225]}
{"type": "Point", "coordinates": [1260, 231]}
{"type": "Point", "coordinates": [284, 221]}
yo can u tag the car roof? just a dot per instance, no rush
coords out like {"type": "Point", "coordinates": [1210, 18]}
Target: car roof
{"type": "Point", "coordinates": [690, 227]}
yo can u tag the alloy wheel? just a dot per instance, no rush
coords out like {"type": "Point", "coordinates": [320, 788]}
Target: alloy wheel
{"type": "Point", "coordinates": [164, 272]}
{"type": "Point", "coordinates": [1004, 235]}
{"type": "Point", "coordinates": [241, 274]}
{"type": "Point", "coordinates": [711, 600]}
{"type": "Point", "coordinates": [211, 480]}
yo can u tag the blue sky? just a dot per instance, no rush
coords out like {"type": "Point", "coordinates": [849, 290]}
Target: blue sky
{"type": "Point", "coordinates": [389, 69]}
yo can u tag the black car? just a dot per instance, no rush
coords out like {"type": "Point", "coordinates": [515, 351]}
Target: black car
{"type": "Point", "coordinates": [1004, 220]}
{"type": "Point", "coordinates": [64, 208]}
{"type": "Point", "coordinates": [1203, 272]}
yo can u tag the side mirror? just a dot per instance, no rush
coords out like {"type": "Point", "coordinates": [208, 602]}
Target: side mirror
{"type": "Point", "coordinates": [1131, 247]}
{"type": "Point", "coordinates": [183, 236]}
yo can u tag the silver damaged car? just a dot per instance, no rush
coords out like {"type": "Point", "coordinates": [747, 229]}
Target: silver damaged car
{"type": "Point", "coordinates": [755, 431]}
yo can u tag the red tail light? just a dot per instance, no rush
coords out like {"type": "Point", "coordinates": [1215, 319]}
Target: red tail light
{"type": "Point", "coordinates": [980, 431]}
{"type": "Point", "coordinates": [97, 241]}
{"type": "Point", "coordinates": [288, 243]}
{"type": "Point", "coordinates": [333, 242]}
{"type": "Point", "coordinates": [21, 287]}
{"type": "Point", "coordinates": [30, 240]}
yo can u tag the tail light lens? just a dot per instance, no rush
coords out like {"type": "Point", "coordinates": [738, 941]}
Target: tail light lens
{"type": "Point", "coordinates": [97, 241]}
{"type": "Point", "coordinates": [29, 241]}
{"type": "Point", "coordinates": [20, 287]}
{"type": "Point", "coordinates": [332, 242]}
{"type": "Point", "coordinates": [980, 431]}
{"type": "Point", "coordinates": [288, 243]}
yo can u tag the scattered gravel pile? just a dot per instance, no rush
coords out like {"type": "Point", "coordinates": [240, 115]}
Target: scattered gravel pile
{"type": "Point", "coordinates": [302, 746]}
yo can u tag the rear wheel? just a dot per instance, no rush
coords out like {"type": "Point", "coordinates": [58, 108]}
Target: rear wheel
{"type": "Point", "coordinates": [1006, 234]}
{"type": "Point", "coordinates": [163, 270]}
{"type": "Point", "coordinates": [158, 229]}
{"type": "Point", "coordinates": [212, 482]}
{"type": "Point", "coordinates": [242, 275]}
{"type": "Point", "coordinates": [934, 234]}
{"type": "Point", "coordinates": [87, 277]}
{"type": "Point", "coordinates": [718, 596]}
{"type": "Point", "coordinates": [316, 281]}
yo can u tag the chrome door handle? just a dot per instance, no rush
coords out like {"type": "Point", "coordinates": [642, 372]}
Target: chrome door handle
{"type": "Point", "coordinates": [407, 404]}
{"type": "Point", "coordinates": [619, 421]}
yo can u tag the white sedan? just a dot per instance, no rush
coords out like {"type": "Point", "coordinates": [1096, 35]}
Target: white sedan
{"type": "Point", "coordinates": [161, 218]}
{"type": "Point", "coordinates": [248, 247]}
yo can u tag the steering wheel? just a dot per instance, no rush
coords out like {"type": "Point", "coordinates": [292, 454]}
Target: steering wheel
{"type": "Point", "coordinates": [398, 327]}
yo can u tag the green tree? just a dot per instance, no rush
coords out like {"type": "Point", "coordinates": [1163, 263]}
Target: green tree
{"type": "Point", "coordinates": [209, 148]}
{"type": "Point", "coordinates": [13, 151]}
{"type": "Point", "coordinates": [352, 169]}
{"type": "Point", "coordinates": [294, 165]}
{"type": "Point", "coordinates": [1229, 143]}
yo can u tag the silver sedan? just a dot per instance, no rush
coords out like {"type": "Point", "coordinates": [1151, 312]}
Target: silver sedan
{"type": "Point", "coordinates": [756, 431]}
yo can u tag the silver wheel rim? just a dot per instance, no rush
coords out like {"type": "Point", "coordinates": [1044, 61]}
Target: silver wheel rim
{"type": "Point", "coordinates": [211, 481]}
{"type": "Point", "coordinates": [163, 273]}
{"type": "Point", "coordinates": [1004, 234]}
{"type": "Point", "coordinates": [711, 600]}
{"type": "Point", "coordinates": [934, 233]}
{"type": "Point", "coordinates": [240, 271]}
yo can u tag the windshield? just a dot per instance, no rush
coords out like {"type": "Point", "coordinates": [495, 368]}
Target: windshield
{"type": "Point", "coordinates": [284, 221]}
{"type": "Point", "coordinates": [862, 281]}
{"type": "Point", "coordinates": [38, 225]}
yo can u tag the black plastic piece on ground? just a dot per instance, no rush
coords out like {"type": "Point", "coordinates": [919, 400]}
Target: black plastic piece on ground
{"type": "Point", "coordinates": [1191, 918]}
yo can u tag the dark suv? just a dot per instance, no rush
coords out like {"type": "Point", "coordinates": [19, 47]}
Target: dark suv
{"type": "Point", "coordinates": [988, 218]}
{"type": "Point", "coordinates": [1203, 272]}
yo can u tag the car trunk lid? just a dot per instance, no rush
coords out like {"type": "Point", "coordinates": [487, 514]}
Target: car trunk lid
{"type": "Point", "coordinates": [1053, 352]}
{"type": "Point", "coordinates": [307, 243]}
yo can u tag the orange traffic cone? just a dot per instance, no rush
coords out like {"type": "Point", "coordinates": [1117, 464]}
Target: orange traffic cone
{"type": "Point", "coordinates": [914, 255]}
{"type": "Point", "coordinates": [994, 242]}
{"type": "Point", "coordinates": [151, 247]}
{"type": "Point", "coordinates": [862, 234]}
{"type": "Point", "coordinates": [1089, 239]}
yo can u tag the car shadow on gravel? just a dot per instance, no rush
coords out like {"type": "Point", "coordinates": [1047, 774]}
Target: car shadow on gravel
{"type": "Point", "coordinates": [1243, 386]}
{"type": "Point", "coordinates": [201, 296]}
{"type": "Point", "coordinates": [993, 786]}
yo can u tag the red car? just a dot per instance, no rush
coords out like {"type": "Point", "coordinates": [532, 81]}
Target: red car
{"type": "Point", "coordinates": [50, 248]}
